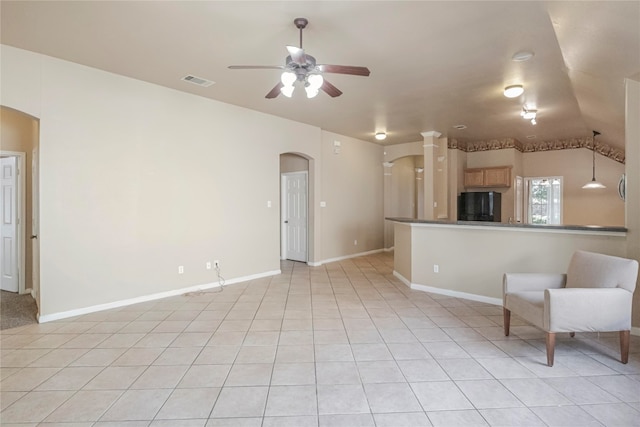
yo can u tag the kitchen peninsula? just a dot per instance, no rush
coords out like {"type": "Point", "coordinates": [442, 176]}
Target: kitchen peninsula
{"type": "Point", "coordinates": [467, 259]}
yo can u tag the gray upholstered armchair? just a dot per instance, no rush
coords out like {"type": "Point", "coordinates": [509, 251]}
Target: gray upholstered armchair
{"type": "Point", "coordinates": [594, 296]}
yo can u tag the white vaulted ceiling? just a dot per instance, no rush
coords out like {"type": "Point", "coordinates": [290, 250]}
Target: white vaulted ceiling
{"type": "Point", "coordinates": [433, 64]}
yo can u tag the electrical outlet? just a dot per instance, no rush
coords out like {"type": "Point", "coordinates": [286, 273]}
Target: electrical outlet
{"type": "Point", "coordinates": [436, 268]}
{"type": "Point", "coordinates": [180, 269]}
{"type": "Point", "coordinates": [216, 263]}
{"type": "Point", "coordinates": [208, 265]}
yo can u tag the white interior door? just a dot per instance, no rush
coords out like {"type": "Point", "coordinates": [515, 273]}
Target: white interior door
{"type": "Point", "coordinates": [295, 214]}
{"type": "Point", "coordinates": [9, 208]}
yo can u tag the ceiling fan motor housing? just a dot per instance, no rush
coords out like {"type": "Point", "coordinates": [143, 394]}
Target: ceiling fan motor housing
{"type": "Point", "coordinates": [300, 23]}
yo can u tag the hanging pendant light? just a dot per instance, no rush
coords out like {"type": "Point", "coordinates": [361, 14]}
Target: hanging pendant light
{"type": "Point", "coordinates": [593, 183]}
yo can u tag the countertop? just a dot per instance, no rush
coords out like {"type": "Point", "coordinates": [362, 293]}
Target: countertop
{"type": "Point", "coordinates": [507, 225]}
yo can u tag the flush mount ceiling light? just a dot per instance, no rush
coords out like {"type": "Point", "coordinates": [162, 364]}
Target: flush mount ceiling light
{"type": "Point", "coordinates": [593, 183]}
{"type": "Point", "coordinates": [380, 136]}
{"type": "Point", "coordinates": [513, 91]}
{"type": "Point", "coordinates": [523, 55]}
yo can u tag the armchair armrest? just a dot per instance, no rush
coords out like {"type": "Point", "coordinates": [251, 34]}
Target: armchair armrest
{"type": "Point", "coordinates": [587, 309]}
{"type": "Point", "coordinates": [519, 282]}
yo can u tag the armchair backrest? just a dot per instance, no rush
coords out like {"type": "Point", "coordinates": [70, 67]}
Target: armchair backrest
{"type": "Point", "coordinates": [592, 270]}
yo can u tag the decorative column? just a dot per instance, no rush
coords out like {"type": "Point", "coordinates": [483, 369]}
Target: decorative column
{"type": "Point", "coordinates": [388, 209]}
{"type": "Point", "coordinates": [419, 203]}
{"type": "Point", "coordinates": [431, 151]}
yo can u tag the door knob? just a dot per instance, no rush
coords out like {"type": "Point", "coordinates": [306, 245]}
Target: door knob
{"type": "Point", "coordinates": [286, 222]}
{"type": "Point", "coordinates": [35, 236]}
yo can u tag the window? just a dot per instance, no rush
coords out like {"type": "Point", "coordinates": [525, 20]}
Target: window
{"type": "Point", "coordinates": [544, 200]}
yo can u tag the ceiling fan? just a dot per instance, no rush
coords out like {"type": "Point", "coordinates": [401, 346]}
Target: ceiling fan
{"type": "Point", "coordinates": [300, 67]}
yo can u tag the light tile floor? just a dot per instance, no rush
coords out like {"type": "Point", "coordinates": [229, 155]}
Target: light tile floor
{"type": "Point", "coordinates": [344, 344]}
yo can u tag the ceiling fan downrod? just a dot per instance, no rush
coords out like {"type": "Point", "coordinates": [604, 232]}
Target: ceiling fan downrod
{"type": "Point", "coordinates": [301, 24]}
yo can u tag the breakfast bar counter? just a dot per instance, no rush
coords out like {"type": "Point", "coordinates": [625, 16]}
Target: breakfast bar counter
{"type": "Point", "coordinates": [468, 259]}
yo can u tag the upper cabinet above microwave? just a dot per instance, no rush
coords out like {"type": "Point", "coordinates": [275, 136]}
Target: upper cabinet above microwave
{"type": "Point", "coordinates": [499, 176]}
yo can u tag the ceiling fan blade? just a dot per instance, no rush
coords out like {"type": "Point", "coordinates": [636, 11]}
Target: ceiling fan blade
{"type": "Point", "coordinates": [330, 89]}
{"type": "Point", "coordinates": [275, 91]}
{"type": "Point", "coordinates": [297, 55]}
{"type": "Point", "coordinates": [256, 67]}
{"type": "Point", "coordinates": [344, 69]}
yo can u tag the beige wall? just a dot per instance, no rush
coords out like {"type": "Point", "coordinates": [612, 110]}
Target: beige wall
{"type": "Point", "coordinates": [581, 207]}
{"type": "Point", "coordinates": [403, 196]}
{"type": "Point", "coordinates": [352, 188]}
{"type": "Point", "coordinates": [19, 133]}
{"type": "Point", "coordinates": [293, 163]}
{"type": "Point", "coordinates": [137, 179]}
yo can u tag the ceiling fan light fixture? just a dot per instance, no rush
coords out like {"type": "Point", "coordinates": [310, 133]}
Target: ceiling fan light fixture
{"type": "Point", "coordinates": [311, 91]}
{"type": "Point", "coordinates": [380, 136]}
{"type": "Point", "coordinates": [513, 91]}
{"type": "Point", "coordinates": [287, 91]}
{"type": "Point", "coordinates": [288, 78]}
{"type": "Point", "coordinates": [315, 80]}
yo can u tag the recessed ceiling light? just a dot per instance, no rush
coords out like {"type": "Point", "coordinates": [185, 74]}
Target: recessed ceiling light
{"type": "Point", "coordinates": [513, 91]}
{"type": "Point", "coordinates": [381, 136]}
{"type": "Point", "coordinates": [523, 55]}
{"type": "Point", "coordinates": [460, 127]}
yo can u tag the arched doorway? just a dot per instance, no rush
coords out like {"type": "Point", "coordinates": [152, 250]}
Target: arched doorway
{"type": "Point", "coordinates": [20, 142]}
{"type": "Point", "coordinates": [296, 217]}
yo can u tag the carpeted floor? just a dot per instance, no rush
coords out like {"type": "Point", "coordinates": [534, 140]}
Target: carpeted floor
{"type": "Point", "coordinates": [16, 310]}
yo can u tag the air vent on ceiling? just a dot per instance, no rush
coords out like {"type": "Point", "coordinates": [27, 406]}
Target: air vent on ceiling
{"type": "Point", "coordinates": [198, 81]}
{"type": "Point", "coordinates": [460, 127]}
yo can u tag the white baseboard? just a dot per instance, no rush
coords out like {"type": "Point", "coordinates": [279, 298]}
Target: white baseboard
{"type": "Point", "coordinates": [389, 249]}
{"type": "Point", "coordinates": [448, 292]}
{"type": "Point", "coordinates": [402, 279]}
{"type": "Point", "coordinates": [145, 298]}
{"type": "Point", "coordinates": [341, 258]}
{"type": "Point", "coordinates": [635, 331]}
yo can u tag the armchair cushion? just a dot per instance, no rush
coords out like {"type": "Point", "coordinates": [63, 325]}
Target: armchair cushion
{"type": "Point", "coordinates": [587, 310]}
{"type": "Point", "coordinates": [591, 270]}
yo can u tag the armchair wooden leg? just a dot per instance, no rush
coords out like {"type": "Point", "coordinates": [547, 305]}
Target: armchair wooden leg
{"type": "Point", "coordinates": [507, 320]}
{"type": "Point", "coordinates": [551, 344]}
{"type": "Point", "coordinates": [624, 346]}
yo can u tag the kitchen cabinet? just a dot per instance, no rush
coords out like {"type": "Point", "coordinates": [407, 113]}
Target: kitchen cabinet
{"type": "Point", "coordinates": [499, 176]}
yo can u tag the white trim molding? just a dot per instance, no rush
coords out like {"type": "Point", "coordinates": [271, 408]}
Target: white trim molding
{"type": "Point", "coordinates": [447, 292]}
{"type": "Point", "coordinates": [635, 330]}
{"type": "Point", "coordinates": [326, 261]}
{"type": "Point", "coordinates": [152, 297]}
